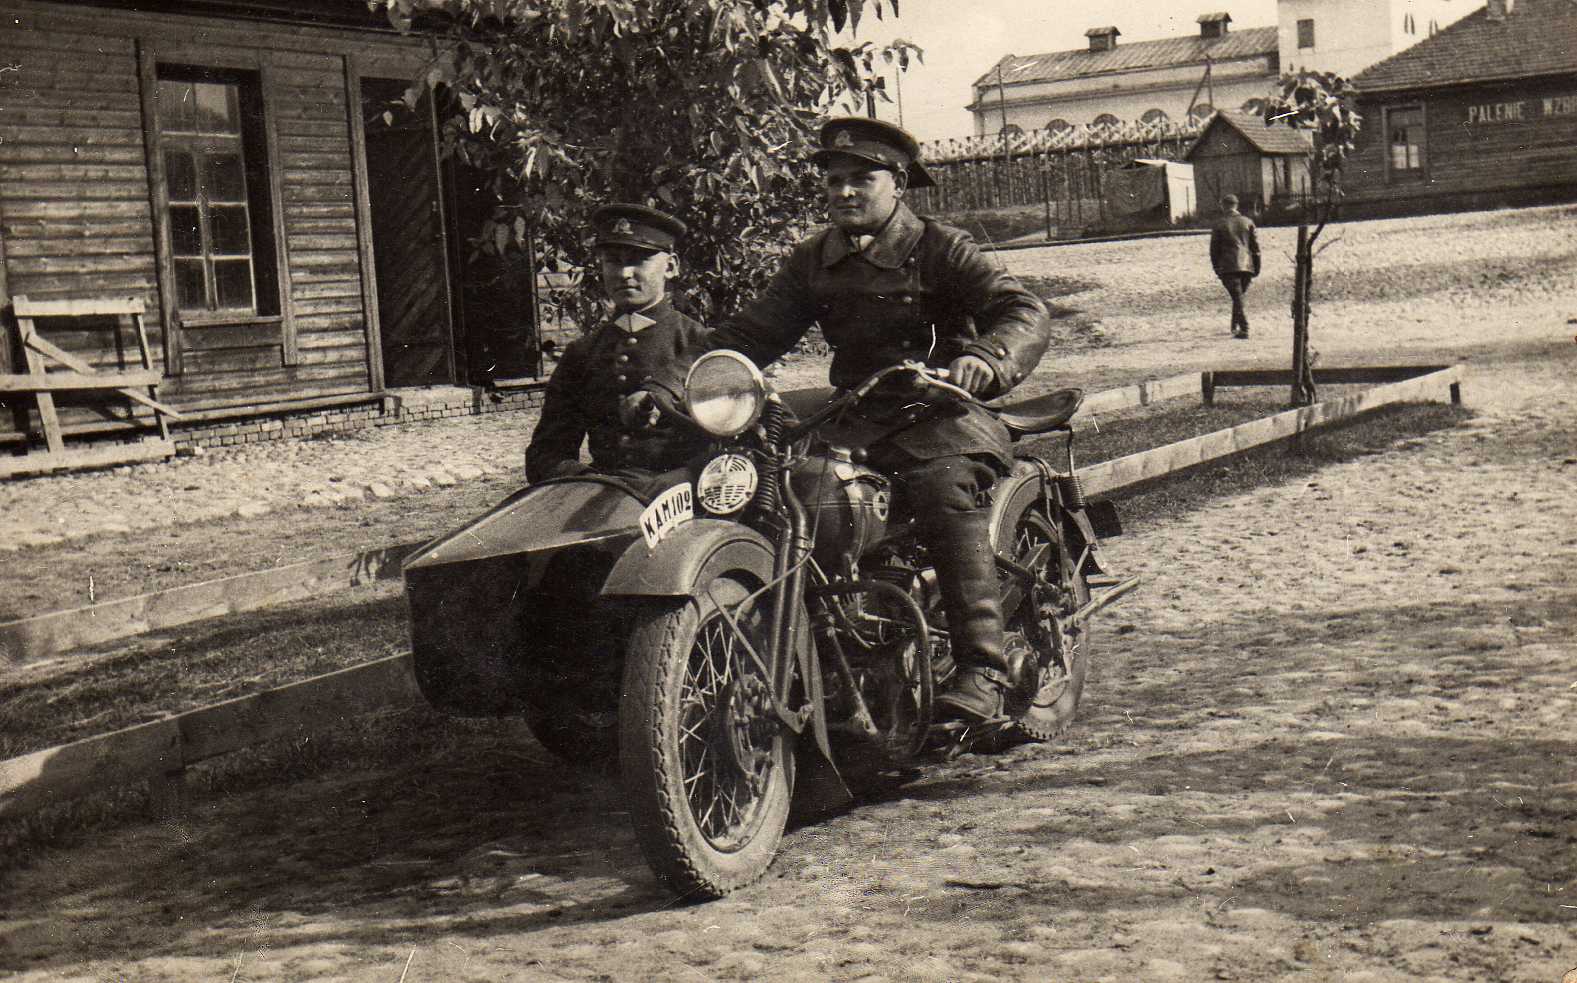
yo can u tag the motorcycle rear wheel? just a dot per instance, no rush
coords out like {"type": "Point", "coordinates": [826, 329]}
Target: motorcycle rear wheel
{"type": "Point", "coordinates": [707, 821]}
{"type": "Point", "coordinates": [1053, 707]}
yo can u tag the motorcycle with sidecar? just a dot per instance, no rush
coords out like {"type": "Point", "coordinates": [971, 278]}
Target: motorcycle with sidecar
{"type": "Point", "coordinates": [760, 628]}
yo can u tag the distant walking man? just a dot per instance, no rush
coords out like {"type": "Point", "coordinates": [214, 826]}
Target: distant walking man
{"type": "Point", "coordinates": [1234, 252]}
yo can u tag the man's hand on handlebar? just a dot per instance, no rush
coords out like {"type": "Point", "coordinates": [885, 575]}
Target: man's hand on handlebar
{"type": "Point", "coordinates": [639, 411]}
{"type": "Point", "coordinates": [972, 373]}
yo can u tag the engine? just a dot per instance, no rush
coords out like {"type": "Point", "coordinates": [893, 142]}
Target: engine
{"type": "Point", "coordinates": [848, 505]}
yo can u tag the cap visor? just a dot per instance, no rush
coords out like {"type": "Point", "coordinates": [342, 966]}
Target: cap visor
{"type": "Point", "coordinates": [825, 157]}
{"type": "Point", "coordinates": [631, 242]}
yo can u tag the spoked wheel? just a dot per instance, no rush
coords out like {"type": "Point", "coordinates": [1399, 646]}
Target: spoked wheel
{"type": "Point", "coordinates": [1063, 658]}
{"type": "Point", "coordinates": [706, 765]}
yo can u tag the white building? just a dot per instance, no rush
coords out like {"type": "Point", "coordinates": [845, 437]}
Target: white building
{"type": "Point", "coordinates": [1347, 36]}
{"type": "Point", "coordinates": [1218, 68]}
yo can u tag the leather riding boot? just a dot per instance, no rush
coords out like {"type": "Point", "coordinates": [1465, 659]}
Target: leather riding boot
{"type": "Point", "coordinates": [966, 573]}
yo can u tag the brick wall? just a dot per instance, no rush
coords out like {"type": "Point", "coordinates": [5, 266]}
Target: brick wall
{"type": "Point", "coordinates": [385, 411]}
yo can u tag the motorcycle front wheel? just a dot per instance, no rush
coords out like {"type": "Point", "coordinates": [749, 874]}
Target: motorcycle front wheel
{"type": "Point", "coordinates": [706, 767]}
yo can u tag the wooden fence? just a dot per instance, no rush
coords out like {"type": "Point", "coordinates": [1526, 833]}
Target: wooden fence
{"type": "Point", "coordinates": [1059, 169]}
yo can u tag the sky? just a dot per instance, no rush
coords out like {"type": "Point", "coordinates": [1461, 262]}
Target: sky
{"type": "Point", "coordinates": [962, 39]}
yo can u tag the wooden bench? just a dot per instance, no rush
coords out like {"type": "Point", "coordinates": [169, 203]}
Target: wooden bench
{"type": "Point", "coordinates": [139, 385]}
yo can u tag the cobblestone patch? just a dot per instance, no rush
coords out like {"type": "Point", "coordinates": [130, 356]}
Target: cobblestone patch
{"type": "Point", "coordinates": [256, 479]}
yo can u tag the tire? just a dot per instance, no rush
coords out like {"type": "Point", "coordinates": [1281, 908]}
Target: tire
{"type": "Point", "coordinates": [1053, 707]}
{"type": "Point", "coordinates": [704, 827]}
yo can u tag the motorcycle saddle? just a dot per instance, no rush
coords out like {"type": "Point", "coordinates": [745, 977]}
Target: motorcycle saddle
{"type": "Point", "coordinates": [1040, 414]}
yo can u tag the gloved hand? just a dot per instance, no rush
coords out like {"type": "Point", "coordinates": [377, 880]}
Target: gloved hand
{"type": "Point", "coordinates": [639, 411]}
{"type": "Point", "coordinates": [972, 373]}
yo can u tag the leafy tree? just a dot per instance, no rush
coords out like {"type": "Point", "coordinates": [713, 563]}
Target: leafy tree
{"type": "Point", "coordinates": [1325, 105]}
{"type": "Point", "coordinates": [704, 108]}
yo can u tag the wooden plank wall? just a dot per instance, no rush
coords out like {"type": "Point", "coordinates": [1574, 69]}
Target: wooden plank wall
{"type": "Point", "coordinates": [1465, 158]}
{"type": "Point", "coordinates": [75, 212]}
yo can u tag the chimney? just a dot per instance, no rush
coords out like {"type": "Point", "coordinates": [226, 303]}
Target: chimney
{"type": "Point", "coordinates": [1498, 9]}
{"type": "Point", "coordinates": [1212, 26]}
{"type": "Point", "coordinates": [1102, 38]}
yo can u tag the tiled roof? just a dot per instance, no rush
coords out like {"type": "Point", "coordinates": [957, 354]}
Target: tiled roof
{"type": "Point", "coordinates": [1538, 37]}
{"type": "Point", "coordinates": [1166, 53]}
{"type": "Point", "coordinates": [1278, 139]}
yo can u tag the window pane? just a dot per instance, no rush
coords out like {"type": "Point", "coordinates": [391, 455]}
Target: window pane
{"type": "Point", "coordinates": [177, 107]}
{"type": "Point", "coordinates": [233, 282]}
{"type": "Point", "coordinates": [189, 292]}
{"type": "Point", "coordinates": [223, 177]}
{"type": "Point", "coordinates": [1406, 139]}
{"type": "Point", "coordinates": [180, 174]}
{"type": "Point", "coordinates": [216, 108]}
{"type": "Point", "coordinates": [227, 224]}
{"type": "Point", "coordinates": [186, 235]}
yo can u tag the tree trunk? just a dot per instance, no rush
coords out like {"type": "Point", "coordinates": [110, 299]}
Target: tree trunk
{"type": "Point", "coordinates": [1303, 281]}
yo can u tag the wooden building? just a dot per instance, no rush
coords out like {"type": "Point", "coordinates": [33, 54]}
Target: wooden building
{"type": "Point", "coordinates": [1238, 154]}
{"type": "Point", "coordinates": [1483, 114]}
{"type": "Point", "coordinates": [230, 163]}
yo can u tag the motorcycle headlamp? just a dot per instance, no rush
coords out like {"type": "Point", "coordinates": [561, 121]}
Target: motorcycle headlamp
{"type": "Point", "coordinates": [724, 393]}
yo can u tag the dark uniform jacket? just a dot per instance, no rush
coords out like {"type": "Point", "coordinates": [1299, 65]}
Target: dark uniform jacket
{"type": "Point", "coordinates": [596, 372]}
{"type": "Point", "coordinates": [920, 290]}
{"type": "Point", "coordinates": [1234, 247]}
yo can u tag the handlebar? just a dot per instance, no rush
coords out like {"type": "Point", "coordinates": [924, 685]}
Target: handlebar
{"type": "Point", "coordinates": [924, 375]}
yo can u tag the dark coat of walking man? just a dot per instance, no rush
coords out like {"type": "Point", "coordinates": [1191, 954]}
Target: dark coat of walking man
{"type": "Point", "coordinates": [1234, 253]}
{"type": "Point", "coordinates": [887, 286]}
{"type": "Point", "coordinates": [643, 342]}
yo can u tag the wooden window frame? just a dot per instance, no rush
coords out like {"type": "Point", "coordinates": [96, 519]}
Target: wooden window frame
{"type": "Point", "coordinates": [272, 300]}
{"type": "Point", "coordinates": [201, 148]}
{"type": "Point", "coordinates": [1409, 175]}
{"type": "Point", "coordinates": [1306, 31]}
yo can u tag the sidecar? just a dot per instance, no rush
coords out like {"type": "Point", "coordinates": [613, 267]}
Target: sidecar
{"type": "Point", "coordinates": [507, 608]}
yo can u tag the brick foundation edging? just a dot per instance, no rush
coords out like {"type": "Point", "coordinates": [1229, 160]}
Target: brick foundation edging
{"type": "Point", "coordinates": [391, 409]}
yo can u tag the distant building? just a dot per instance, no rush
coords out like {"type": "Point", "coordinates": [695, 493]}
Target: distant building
{"type": "Point", "coordinates": [1347, 36]}
{"type": "Point", "coordinates": [1238, 154]}
{"type": "Point", "coordinates": [1482, 114]}
{"type": "Point", "coordinates": [1219, 68]}
{"type": "Point", "coordinates": [1115, 82]}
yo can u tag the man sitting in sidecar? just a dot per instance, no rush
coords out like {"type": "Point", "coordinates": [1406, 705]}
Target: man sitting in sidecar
{"type": "Point", "coordinates": [506, 615]}
{"type": "Point", "coordinates": [643, 342]}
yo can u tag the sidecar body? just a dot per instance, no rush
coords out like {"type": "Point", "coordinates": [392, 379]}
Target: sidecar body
{"type": "Point", "coordinates": [518, 585]}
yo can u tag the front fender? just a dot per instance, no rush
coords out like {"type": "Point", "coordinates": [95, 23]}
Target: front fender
{"type": "Point", "coordinates": [692, 555]}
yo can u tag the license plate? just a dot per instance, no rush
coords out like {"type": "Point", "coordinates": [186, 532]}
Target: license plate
{"type": "Point", "coordinates": [668, 511]}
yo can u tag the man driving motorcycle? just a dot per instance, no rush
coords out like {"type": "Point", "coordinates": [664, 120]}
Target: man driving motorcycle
{"type": "Point", "coordinates": [644, 341]}
{"type": "Point", "coordinates": [887, 286]}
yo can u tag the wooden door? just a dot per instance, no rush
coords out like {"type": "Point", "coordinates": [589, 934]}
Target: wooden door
{"type": "Point", "coordinates": [408, 240]}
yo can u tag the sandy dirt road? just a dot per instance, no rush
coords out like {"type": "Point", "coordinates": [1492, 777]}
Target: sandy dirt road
{"type": "Point", "coordinates": [1331, 738]}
